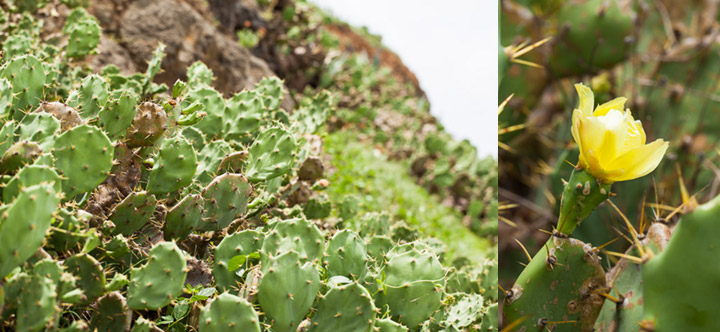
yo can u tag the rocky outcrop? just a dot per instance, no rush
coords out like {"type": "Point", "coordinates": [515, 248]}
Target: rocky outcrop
{"type": "Point", "coordinates": [135, 28]}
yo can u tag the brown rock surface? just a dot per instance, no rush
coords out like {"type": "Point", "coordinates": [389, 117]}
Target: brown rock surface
{"type": "Point", "coordinates": [133, 29]}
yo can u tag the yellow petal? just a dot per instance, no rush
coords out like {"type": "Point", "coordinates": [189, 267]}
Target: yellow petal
{"type": "Point", "coordinates": [639, 161]}
{"type": "Point", "coordinates": [577, 114]}
{"type": "Point", "coordinates": [587, 99]}
{"type": "Point", "coordinates": [615, 104]}
{"type": "Point", "coordinates": [603, 137]}
{"type": "Point", "coordinates": [635, 134]}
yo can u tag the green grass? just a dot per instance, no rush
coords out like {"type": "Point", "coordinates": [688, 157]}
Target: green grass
{"type": "Point", "coordinates": [383, 185]}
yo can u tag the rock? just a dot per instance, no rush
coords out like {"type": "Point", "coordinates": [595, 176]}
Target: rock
{"type": "Point", "coordinates": [189, 37]}
{"type": "Point", "coordinates": [110, 52]}
{"type": "Point", "coordinates": [187, 28]}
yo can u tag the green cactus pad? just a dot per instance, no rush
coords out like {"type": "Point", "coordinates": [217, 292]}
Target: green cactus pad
{"type": "Point", "coordinates": [243, 114]}
{"type": "Point", "coordinates": [7, 136]}
{"type": "Point", "coordinates": [271, 155]}
{"type": "Point", "coordinates": [6, 98]}
{"type": "Point", "coordinates": [288, 290]}
{"type": "Point", "coordinates": [271, 89]}
{"type": "Point", "coordinates": [490, 319]}
{"type": "Point", "coordinates": [27, 76]}
{"type": "Point", "coordinates": [89, 273]}
{"type": "Point", "coordinates": [346, 255]}
{"type": "Point", "coordinates": [110, 313]}
{"type": "Point", "coordinates": [84, 32]}
{"type": "Point", "coordinates": [411, 264]}
{"type": "Point", "coordinates": [199, 74]}
{"type": "Point", "coordinates": [39, 128]}
{"type": "Point", "coordinates": [174, 167]}
{"type": "Point", "coordinates": [184, 217]}
{"type": "Point", "coordinates": [212, 125]}
{"type": "Point", "coordinates": [463, 281]}
{"type": "Point", "coordinates": [144, 325]}
{"type": "Point", "coordinates": [241, 243]}
{"type": "Point", "coordinates": [561, 286]}
{"type": "Point", "coordinates": [229, 313]}
{"type": "Point", "coordinates": [489, 279]}
{"type": "Point", "coordinates": [83, 158]}
{"type": "Point", "coordinates": [413, 284]}
{"type": "Point", "coordinates": [117, 282]}
{"type": "Point", "coordinates": [23, 225]}
{"type": "Point", "coordinates": [344, 308]}
{"type": "Point", "coordinates": [233, 163]}
{"type": "Point", "coordinates": [411, 303]}
{"type": "Point", "coordinates": [626, 277]}
{"type": "Point", "coordinates": [311, 116]}
{"type": "Point", "coordinates": [72, 224]}
{"type": "Point", "coordinates": [29, 176]}
{"type": "Point", "coordinates": [160, 280]}
{"type": "Point", "coordinates": [36, 307]}
{"type": "Point", "coordinates": [378, 247]}
{"type": "Point", "coordinates": [154, 66]}
{"type": "Point", "coordinates": [194, 136]}
{"type": "Point", "coordinates": [293, 235]}
{"type": "Point", "coordinates": [209, 159]}
{"type": "Point", "coordinates": [65, 283]}
{"type": "Point", "coordinates": [226, 199]}
{"type": "Point", "coordinates": [93, 95]}
{"type": "Point", "coordinates": [466, 311]}
{"type": "Point", "coordinates": [118, 113]}
{"type": "Point", "coordinates": [595, 37]}
{"type": "Point", "coordinates": [132, 213]}
{"type": "Point", "coordinates": [374, 223]}
{"type": "Point", "coordinates": [678, 282]}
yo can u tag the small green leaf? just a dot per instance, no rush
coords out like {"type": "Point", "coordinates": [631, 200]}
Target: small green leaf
{"type": "Point", "coordinates": [181, 309]}
{"type": "Point", "coordinates": [207, 292]}
{"type": "Point", "coordinates": [236, 262]}
{"type": "Point", "coordinates": [165, 320]}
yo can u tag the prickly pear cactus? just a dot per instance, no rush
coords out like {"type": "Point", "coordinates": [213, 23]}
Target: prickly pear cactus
{"type": "Point", "coordinates": [129, 204]}
{"type": "Point", "coordinates": [160, 280]}
{"type": "Point", "coordinates": [24, 223]}
{"type": "Point", "coordinates": [288, 290]}
{"type": "Point", "coordinates": [348, 307]}
{"type": "Point", "coordinates": [229, 313]}
{"type": "Point", "coordinates": [83, 157]}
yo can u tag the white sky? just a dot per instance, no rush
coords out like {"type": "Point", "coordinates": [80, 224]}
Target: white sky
{"type": "Point", "coordinates": [451, 46]}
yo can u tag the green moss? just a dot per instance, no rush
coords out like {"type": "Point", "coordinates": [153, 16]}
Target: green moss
{"type": "Point", "coordinates": [383, 185]}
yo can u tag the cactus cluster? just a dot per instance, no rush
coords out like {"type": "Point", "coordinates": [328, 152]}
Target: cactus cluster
{"type": "Point", "coordinates": [662, 57]}
{"type": "Point", "coordinates": [129, 205]}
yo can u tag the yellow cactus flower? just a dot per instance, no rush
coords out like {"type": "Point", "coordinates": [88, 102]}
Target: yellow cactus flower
{"type": "Point", "coordinates": [612, 143]}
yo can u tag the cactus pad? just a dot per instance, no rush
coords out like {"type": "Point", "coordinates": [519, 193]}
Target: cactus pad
{"type": "Point", "coordinates": [241, 243]}
{"type": "Point", "coordinates": [132, 213]}
{"type": "Point", "coordinates": [174, 166]}
{"type": "Point", "coordinates": [83, 158]}
{"type": "Point", "coordinates": [23, 225]}
{"type": "Point", "coordinates": [288, 290]}
{"type": "Point", "coordinates": [271, 155]}
{"type": "Point", "coordinates": [160, 280]}
{"type": "Point", "coordinates": [226, 199]}
{"type": "Point", "coordinates": [344, 308]}
{"type": "Point", "coordinates": [229, 313]}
